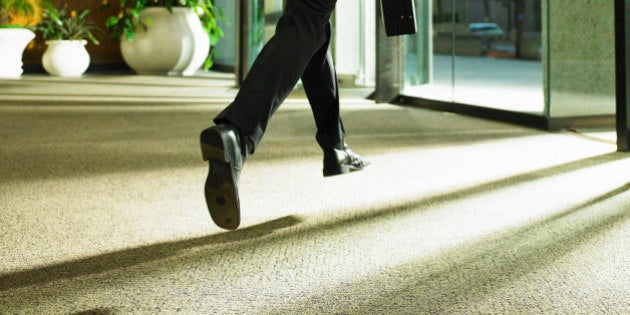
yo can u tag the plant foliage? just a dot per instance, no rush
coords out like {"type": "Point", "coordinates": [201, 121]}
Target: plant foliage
{"type": "Point", "coordinates": [19, 13]}
{"type": "Point", "coordinates": [66, 24]}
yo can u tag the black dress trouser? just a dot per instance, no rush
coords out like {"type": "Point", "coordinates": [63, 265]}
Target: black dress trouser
{"type": "Point", "coordinates": [299, 49]}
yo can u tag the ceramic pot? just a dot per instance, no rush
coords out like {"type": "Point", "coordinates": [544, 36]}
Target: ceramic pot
{"type": "Point", "coordinates": [13, 41]}
{"type": "Point", "coordinates": [66, 58]}
{"type": "Point", "coordinates": [175, 43]}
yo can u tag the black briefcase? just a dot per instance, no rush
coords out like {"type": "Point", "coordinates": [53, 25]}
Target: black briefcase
{"type": "Point", "coordinates": [399, 17]}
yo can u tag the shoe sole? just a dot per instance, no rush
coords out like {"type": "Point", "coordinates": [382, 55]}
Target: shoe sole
{"type": "Point", "coordinates": [342, 169]}
{"type": "Point", "coordinates": [221, 191]}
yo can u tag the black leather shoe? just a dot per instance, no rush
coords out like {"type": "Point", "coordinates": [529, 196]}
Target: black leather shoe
{"type": "Point", "coordinates": [342, 161]}
{"type": "Point", "coordinates": [221, 147]}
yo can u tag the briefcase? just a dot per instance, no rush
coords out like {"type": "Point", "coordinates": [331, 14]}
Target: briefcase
{"type": "Point", "coordinates": [399, 17]}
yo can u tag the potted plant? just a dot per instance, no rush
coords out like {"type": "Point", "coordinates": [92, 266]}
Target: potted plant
{"type": "Point", "coordinates": [174, 37]}
{"type": "Point", "coordinates": [17, 17]}
{"type": "Point", "coordinates": [66, 33]}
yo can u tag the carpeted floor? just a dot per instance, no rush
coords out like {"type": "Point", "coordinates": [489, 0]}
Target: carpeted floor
{"type": "Point", "coordinates": [102, 210]}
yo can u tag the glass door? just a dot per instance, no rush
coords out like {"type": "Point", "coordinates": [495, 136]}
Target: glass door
{"type": "Point", "coordinates": [247, 25]}
{"type": "Point", "coordinates": [226, 52]}
{"type": "Point", "coordinates": [498, 54]}
{"type": "Point", "coordinates": [259, 23]}
{"type": "Point", "coordinates": [486, 53]}
{"type": "Point", "coordinates": [428, 58]}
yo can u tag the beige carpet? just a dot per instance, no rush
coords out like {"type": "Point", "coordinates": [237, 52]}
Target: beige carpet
{"type": "Point", "coordinates": [102, 210]}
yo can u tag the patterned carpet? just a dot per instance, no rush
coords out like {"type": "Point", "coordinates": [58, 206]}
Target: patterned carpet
{"type": "Point", "coordinates": [102, 210]}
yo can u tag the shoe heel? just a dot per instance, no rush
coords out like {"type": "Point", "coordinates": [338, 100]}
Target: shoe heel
{"type": "Point", "coordinates": [209, 152]}
{"type": "Point", "coordinates": [212, 144]}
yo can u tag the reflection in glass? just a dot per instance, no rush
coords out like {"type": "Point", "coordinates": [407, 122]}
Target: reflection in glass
{"type": "Point", "coordinates": [428, 55]}
{"type": "Point", "coordinates": [483, 52]}
{"type": "Point", "coordinates": [498, 54]}
{"type": "Point", "coordinates": [226, 50]}
{"type": "Point", "coordinates": [263, 17]}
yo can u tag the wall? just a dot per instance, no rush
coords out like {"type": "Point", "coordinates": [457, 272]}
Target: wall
{"type": "Point", "coordinates": [581, 65]}
{"type": "Point", "coordinates": [354, 42]}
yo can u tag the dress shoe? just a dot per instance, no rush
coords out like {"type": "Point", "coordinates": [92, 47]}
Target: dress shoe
{"type": "Point", "coordinates": [221, 147]}
{"type": "Point", "coordinates": [342, 161]}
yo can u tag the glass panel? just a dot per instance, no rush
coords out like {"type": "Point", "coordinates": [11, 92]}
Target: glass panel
{"type": "Point", "coordinates": [481, 52]}
{"type": "Point", "coordinates": [428, 54]}
{"type": "Point", "coordinates": [498, 51]}
{"type": "Point", "coordinates": [226, 49]}
{"type": "Point", "coordinates": [498, 54]}
{"type": "Point", "coordinates": [273, 12]}
{"type": "Point", "coordinates": [263, 17]}
{"type": "Point", "coordinates": [256, 22]}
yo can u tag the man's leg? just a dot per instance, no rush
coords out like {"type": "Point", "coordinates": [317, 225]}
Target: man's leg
{"type": "Point", "coordinates": [300, 33]}
{"type": "Point", "coordinates": [320, 83]}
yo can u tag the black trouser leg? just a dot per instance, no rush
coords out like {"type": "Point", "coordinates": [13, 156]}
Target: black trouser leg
{"type": "Point", "coordinates": [300, 34]}
{"type": "Point", "coordinates": [320, 84]}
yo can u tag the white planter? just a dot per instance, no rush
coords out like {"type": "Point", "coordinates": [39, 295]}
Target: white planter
{"type": "Point", "coordinates": [66, 58]}
{"type": "Point", "coordinates": [13, 41]}
{"type": "Point", "coordinates": [174, 43]}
